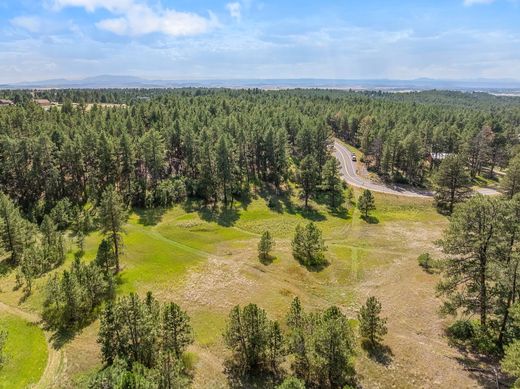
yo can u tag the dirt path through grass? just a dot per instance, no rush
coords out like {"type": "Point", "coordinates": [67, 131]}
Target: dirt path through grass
{"type": "Point", "coordinates": [55, 358]}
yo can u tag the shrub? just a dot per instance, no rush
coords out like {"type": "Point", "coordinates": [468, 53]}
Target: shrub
{"type": "Point", "coordinates": [425, 261]}
{"type": "Point", "coordinates": [462, 330]}
{"type": "Point", "coordinates": [291, 383]}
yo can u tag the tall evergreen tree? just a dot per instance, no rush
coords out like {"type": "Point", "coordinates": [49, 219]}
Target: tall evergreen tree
{"type": "Point", "coordinates": [224, 165]}
{"type": "Point", "coordinates": [265, 245]}
{"type": "Point", "coordinates": [112, 216]}
{"type": "Point", "coordinates": [451, 182]}
{"type": "Point", "coordinates": [12, 229]}
{"type": "Point", "coordinates": [366, 203]}
{"type": "Point", "coordinates": [332, 183]}
{"type": "Point", "coordinates": [470, 242]}
{"type": "Point", "coordinates": [308, 177]}
{"type": "Point", "coordinates": [511, 181]}
{"type": "Point", "coordinates": [371, 325]}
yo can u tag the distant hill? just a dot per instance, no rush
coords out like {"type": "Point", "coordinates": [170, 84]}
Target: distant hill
{"type": "Point", "coordinates": [111, 81]}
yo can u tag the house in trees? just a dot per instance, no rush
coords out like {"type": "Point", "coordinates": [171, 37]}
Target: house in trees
{"type": "Point", "coordinates": [4, 102]}
{"type": "Point", "coordinates": [436, 158]}
{"type": "Point", "coordinates": [44, 103]}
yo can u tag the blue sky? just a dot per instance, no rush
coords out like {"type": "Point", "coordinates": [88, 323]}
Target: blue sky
{"type": "Point", "coordinates": [183, 39]}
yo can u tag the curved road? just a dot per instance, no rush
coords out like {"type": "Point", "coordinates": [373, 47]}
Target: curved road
{"type": "Point", "coordinates": [349, 173]}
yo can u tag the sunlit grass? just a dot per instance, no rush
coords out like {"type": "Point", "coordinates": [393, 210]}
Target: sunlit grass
{"type": "Point", "coordinates": [26, 352]}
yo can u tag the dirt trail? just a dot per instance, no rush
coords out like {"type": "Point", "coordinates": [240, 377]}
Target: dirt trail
{"type": "Point", "coordinates": [419, 356]}
{"type": "Point", "coordinates": [55, 358]}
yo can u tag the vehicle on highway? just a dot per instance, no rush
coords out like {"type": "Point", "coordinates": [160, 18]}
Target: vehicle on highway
{"type": "Point", "coordinates": [354, 157]}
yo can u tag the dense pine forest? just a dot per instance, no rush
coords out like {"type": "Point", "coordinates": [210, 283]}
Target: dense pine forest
{"type": "Point", "coordinates": [83, 165]}
{"type": "Point", "coordinates": [212, 144]}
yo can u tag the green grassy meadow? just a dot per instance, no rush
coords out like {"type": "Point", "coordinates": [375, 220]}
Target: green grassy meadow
{"type": "Point", "coordinates": [206, 261]}
{"type": "Point", "coordinates": [26, 352]}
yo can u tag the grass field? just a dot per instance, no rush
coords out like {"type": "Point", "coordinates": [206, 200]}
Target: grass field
{"type": "Point", "coordinates": [26, 352]}
{"type": "Point", "coordinates": [207, 262]}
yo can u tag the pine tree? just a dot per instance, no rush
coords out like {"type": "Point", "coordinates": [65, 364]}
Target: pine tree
{"type": "Point", "coordinates": [371, 325]}
{"type": "Point", "coordinates": [333, 346]}
{"type": "Point", "coordinates": [112, 216]}
{"type": "Point", "coordinates": [332, 183]}
{"type": "Point", "coordinates": [108, 334]}
{"type": "Point", "coordinates": [224, 165]}
{"type": "Point", "coordinates": [12, 227]}
{"type": "Point", "coordinates": [308, 177]}
{"type": "Point", "coordinates": [297, 343]}
{"type": "Point", "coordinates": [105, 257]}
{"type": "Point", "coordinates": [249, 334]}
{"type": "Point", "coordinates": [366, 203]}
{"type": "Point", "coordinates": [471, 242]}
{"type": "Point", "coordinates": [177, 333]}
{"type": "Point", "coordinates": [127, 165]}
{"type": "Point", "coordinates": [265, 245]}
{"type": "Point", "coordinates": [511, 181]}
{"type": "Point", "coordinates": [451, 183]}
{"type": "Point", "coordinates": [308, 246]}
{"type": "Point", "coordinates": [53, 247]}
{"type": "Point", "coordinates": [275, 350]}
{"type": "Point", "coordinates": [511, 361]}
{"type": "Point", "coordinates": [153, 151]}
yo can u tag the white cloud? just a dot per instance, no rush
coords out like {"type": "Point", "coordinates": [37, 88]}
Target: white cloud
{"type": "Point", "coordinates": [92, 5]}
{"type": "Point", "coordinates": [469, 3]}
{"type": "Point", "coordinates": [234, 10]}
{"type": "Point", "coordinates": [29, 23]}
{"type": "Point", "coordinates": [135, 18]}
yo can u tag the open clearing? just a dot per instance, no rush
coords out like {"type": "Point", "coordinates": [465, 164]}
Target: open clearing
{"type": "Point", "coordinates": [206, 261]}
{"type": "Point", "coordinates": [26, 351]}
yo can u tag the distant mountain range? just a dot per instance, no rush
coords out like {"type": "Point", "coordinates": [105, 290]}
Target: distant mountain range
{"type": "Point", "coordinates": [110, 81]}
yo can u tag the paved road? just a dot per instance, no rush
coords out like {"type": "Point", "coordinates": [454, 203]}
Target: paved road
{"type": "Point", "coordinates": [349, 173]}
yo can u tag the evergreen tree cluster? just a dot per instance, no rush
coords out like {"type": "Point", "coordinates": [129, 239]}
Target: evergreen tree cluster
{"type": "Point", "coordinates": [482, 268]}
{"type": "Point", "coordinates": [320, 344]}
{"type": "Point", "coordinates": [34, 249]}
{"type": "Point", "coordinates": [72, 297]}
{"type": "Point", "coordinates": [143, 341]}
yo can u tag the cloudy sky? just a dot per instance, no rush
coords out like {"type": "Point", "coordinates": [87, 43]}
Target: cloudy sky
{"type": "Point", "coordinates": [211, 39]}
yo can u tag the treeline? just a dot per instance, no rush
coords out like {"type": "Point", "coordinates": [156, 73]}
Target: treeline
{"type": "Point", "coordinates": [143, 344]}
{"type": "Point", "coordinates": [211, 146]}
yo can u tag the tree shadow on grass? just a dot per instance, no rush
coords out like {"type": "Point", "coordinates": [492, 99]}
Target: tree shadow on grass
{"type": "Point", "coordinates": [379, 353]}
{"type": "Point", "coordinates": [253, 380]}
{"type": "Point", "coordinates": [370, 219]}
{"type": "Point", "coordinates": [61, 337]}
{"type": "Point", "coordinates": [225, 217]}
{"type": "Point", "coordinates": [311, 214]}
{"type": "Point", "coordinates": [281, 201]}
{"type": "Point", "coordinates": [340, 212]}
{"type": "Point", "coordinates": [483, 369]}
{"type": "Point", "coordinates": [317, 267]}
{"type": "Point", "coordinates": [150, 216]}
{"type": "Point", "coordinates": [267, 260]}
